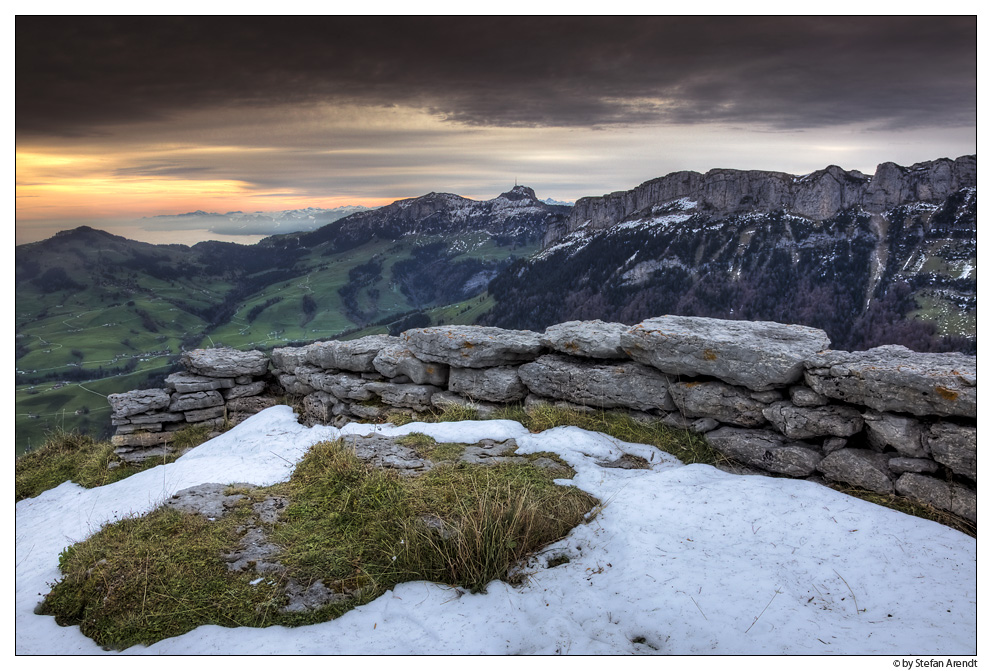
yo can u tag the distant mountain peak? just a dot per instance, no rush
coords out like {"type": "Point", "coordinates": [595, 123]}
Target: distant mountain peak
{"type": "Point", "coordinates": [519, 192]}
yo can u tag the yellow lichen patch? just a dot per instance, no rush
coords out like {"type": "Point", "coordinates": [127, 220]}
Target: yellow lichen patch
{"type": "Point", "coordinates": [709, 355]}
{"type": "Point", "coordinates": [946, 394]}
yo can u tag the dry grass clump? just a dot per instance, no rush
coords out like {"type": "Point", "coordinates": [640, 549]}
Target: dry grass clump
{"type": "Point", "coordinates": [72, 456]}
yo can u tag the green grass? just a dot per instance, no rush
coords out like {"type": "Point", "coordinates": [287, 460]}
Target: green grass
{"type": "Point", "coordinates": [431, 449]}
{"type": "Point", "coordinates": [688, 447]}
{"type": "Point", "coordinates": [77, 407]}
{"type": "Point", "coordinates": [358, 529]}
{"type": "Point", "coordinates": [945, 315]}
{"type": "Point", "coordinates": [74, 457]}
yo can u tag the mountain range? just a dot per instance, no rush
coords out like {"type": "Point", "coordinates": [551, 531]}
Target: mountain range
{"type": "Point", "coordinates": [871, 259]}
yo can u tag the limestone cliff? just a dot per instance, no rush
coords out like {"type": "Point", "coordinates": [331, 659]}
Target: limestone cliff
{"type": "Point", "coordinates": [817, 196]}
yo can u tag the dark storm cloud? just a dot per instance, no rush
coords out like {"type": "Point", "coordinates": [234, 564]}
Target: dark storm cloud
{"type": "Point", "coordinates": [77, 75]}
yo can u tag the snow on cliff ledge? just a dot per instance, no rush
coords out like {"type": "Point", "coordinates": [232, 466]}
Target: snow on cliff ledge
{"type": "Point", "coordinates": [681, 560]}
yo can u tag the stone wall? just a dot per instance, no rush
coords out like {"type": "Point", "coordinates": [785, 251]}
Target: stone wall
{"type": "Point", "coordinates": [770, 396]}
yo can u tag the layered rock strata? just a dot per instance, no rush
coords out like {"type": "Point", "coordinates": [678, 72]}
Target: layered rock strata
{"type": "Point", "coordinates": [818, 195]}
{"type": "Point", "coordinates": [222, 387]}
{"type": "Point", "coordinates": [769, 396]}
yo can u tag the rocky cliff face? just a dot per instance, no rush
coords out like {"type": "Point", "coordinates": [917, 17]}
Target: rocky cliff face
{"type": "Point", "coordinates": [817, 196]}
{"type": "Point", "coordinates": [887, 259]}
{"type": "Point", "coordinates": [517, 214]}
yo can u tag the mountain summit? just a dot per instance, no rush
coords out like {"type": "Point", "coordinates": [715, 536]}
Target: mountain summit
{"type": "Point", "coordinates": [516, 213]}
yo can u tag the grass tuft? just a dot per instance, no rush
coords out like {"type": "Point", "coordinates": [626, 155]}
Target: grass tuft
{"type": "Point", "coordinates": [358, 529]}
{"type": "Point", "coordinates": [72, 456]}
{"type": "Point", "coordinates": [191, 436]}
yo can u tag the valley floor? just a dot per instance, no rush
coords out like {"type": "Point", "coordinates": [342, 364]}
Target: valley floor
{"type": "Point", "coordinates": [683, 560]}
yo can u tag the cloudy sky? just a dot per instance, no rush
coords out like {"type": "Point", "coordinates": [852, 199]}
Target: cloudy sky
{"type": "Point", "coordinates": [122, 118]}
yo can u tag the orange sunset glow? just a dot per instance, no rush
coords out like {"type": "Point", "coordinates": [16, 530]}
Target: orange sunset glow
{"type": "Point", "coordinates": [120, 119]}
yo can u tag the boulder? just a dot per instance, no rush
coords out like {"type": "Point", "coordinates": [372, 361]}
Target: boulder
{"type": "Point", "coordinates": [415, 396]}
{"type": "Point", "coordinates": [894, 378]}
{"type": "Point", "coordinates": [498, 385]}
{"type": "Point", "coordinates": [318, 408]}
{"type": "Point", "coordinates": [828, 420]}
{"type": "Point", "coordinates": [903, 434]}
{"type": "Point", "coordinates": [601, 385]}
{"type": "Point", "coordinates": [294, 386]}
{"type": "Point", "coordinates": [833, 444]}
{"type": "Point", "coordinates": [862, 468]}
{"type": "Point", "coordinates": [185, 383]}
{"type": "Point", "coordinates": [900, 465]}
{"type": "Point", "coordinates": [288, 358]}
{"type": "Point", "coordinates": [594, 339]}
{"type": "Point", "coordinates": [137, 454]}
{"type": "Point", "coordinates": [138, 401]}
{"type": "Point", "coordinates": [397, 360]}
{"type": "Point", "coordinates": [225, 362]}
{"type": "Point", "coordinates": [954, 446]}
{"type": "Point", "coordinates": [195, 400]}
{"type": "Point", "coordinates": [723, 402]}
{"type": "Point", "coordinates": [132, 428]}
{"type": "Point", "coordinates": [756, 355]}
{"type": "Point", "coordinates": [767, 450]}
{"type": "Point", "coordinates": [939, 494]}
{"type": "Point", "coordinates": [473, 346]}
{"type": "Point", "coordinates": [353, 355]}
{"type": "Point", "coordinates": [345, 386]}
{"type": "Point", "coordinates": [534, 402]}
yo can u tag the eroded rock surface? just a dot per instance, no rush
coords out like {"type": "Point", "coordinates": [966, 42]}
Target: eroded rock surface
{"type": "Point", "coordinates": [138, 401]}
{"type": "Point", "coordinates": [473, 346]}
{"type": "Point", "coordinates": [599, 385]}
{"type": "Point", "coordinates": [756, 355]}
{"type": "Point", "coordinates": [501, 384]}
{"type": "Point", "coordinates": [596, 339]}
{"type": "Point", "coordinates": [765, 449]}
{"type": "Point", "coordinates": [225, 362]}
{"type": "Point", "coordinates": [861, 468]}
{"type": "Point", "coordinates": [894, 378]}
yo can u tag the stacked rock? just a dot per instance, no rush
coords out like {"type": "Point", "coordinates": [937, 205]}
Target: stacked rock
{"type": "Point", "coordinates": [770, 396]}
{"type": "Point", "coordinates": [221, 386]}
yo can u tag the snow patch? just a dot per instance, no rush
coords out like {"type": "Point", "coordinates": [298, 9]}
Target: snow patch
{"type": "Point", "coordinates": [679, 560]}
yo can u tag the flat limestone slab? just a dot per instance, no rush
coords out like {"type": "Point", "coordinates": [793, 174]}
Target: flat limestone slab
{"type": "Point", "coordinates": [756, 355]}
{"type": "Point", "coordinates": [473, 346]}
{"type": "Point", "coordinates": [225, 362]}
{"type": "Point", "coordinates": [895, 378]}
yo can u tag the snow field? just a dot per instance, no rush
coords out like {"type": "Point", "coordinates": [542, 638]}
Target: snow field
{"type": "Point", "coordinates": [679, 560]}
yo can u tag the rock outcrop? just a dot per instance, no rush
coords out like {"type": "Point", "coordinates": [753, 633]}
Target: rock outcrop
{"type": "Point", "coordinates": [818, 195]}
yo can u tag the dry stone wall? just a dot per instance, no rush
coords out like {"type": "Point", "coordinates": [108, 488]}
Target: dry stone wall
{"type": "Point", "coordinates": [771, 396]}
